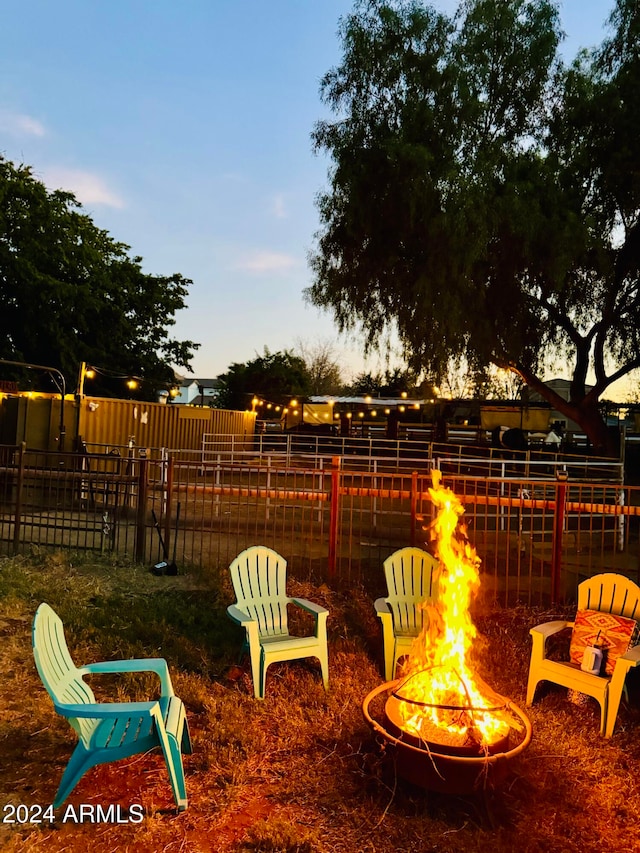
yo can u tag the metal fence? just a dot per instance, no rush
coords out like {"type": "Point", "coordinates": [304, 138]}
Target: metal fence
{"type": "Point", "coordinates": [538, 533]}
{"type": "Point", "coordinates": [315, 450]}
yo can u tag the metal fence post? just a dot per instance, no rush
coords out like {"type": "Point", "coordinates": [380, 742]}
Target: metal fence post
{"type": "Point", "coordinates": [19, 487]}
{"type": "Point", "coordinates": [558, 530]}
{"type": "Point", "coordinates": [414, 506]}
{"type": "Point", "coordinates": [141, 511]}
{"type": "Point", "coordinates": [621, 520]}
{"type": "Point", "coordinates": [334, 515]}
{"type": "Point", "coordinates": [168, 497]}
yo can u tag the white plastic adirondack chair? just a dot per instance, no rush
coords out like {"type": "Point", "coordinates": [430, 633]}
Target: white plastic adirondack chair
{"type": "Point", "coordinates": [412, 578]}
{"type": "Point", "coordinates": [259, 577]}
{"type": "Point", "coordinates": [608, 593]}
{"type": "Point", "coordinates": [112, 730]}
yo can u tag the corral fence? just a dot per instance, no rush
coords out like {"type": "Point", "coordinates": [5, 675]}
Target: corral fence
{"type": "Point", "coordinates": [539, 526]}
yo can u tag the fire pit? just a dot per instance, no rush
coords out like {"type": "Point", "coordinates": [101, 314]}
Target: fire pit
{"type": "Point", "coordinates": [449, 731]}
{"type": "Point", "coordinates": [447, 767]}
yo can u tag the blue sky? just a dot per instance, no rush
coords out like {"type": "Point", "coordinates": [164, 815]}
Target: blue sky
{"type": "Point", "coordinates": [184, 128]}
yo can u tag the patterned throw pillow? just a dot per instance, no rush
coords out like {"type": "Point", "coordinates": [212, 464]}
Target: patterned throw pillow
{"type": "Point", "coordinates": [614, 635]}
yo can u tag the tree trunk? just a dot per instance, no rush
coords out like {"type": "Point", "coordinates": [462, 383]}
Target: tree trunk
{"type": "Point", "coordinates": [585, 413]}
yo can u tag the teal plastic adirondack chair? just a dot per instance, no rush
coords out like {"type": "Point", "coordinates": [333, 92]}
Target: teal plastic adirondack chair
{"type": "Point", "coordinates": [259, 577]}
{"type": "Point", "coordinates": [412, 578]}
{"type": "Point", "coordinates": [113, 730]}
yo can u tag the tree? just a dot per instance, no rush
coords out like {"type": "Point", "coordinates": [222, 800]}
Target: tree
{"type": "Point", "coordinates": [323, 369]}
{"type": "Point", "coordinates": [273, 377]}
{"type": "Point", "coordinates": [484, 198]}
{"type": "Point", "coordinates": [70, 293]}
{"type": "Point", "coordinates": [391, 383]}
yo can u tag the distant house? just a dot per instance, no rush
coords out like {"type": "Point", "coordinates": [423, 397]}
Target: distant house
{"type": "Point", "coordinates": [197, 392]}
{"type": "Point", "coordinates": [562, 387]}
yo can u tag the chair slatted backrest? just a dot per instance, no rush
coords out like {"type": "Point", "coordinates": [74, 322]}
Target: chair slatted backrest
{"type": "Point", "coordinates": [57, 670]}
{"type": "Point", "coordinates": [610, 593]}
{"type": "Point", "coordinates": [259, 577]}
{"type": "Point", "coordinates": [412, 578]}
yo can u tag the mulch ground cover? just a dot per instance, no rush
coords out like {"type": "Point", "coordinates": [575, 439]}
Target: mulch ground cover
{"type": "Point", "coordinates": [301, 771]}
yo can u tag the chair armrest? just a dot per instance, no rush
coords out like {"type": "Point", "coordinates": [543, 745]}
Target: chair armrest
{"type": "Point", "coordinates": [541, 633]}
{"type": "Point", "coordinates": [309, 606]}
{"type": "Point", "coordinates": [548, 629]}
{"type": "Point", "coordinates": [631, 656]}
{"type": "Point", "coordinates": [104, 710]}
{"type": "Point", "coordinates": [242, 618]}
{"type": "Point", "coordinates": [382, 607]}
{"type": "Point", "coordinates": [239, 616]}
{"type": "Point", "coordinates": [319, 613]}
{"type": "Point", "coordinates": [157, 665]}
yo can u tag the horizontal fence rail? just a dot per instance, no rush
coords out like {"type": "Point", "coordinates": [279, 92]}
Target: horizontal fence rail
{"type": "Point", "coordinates": [537, 534]}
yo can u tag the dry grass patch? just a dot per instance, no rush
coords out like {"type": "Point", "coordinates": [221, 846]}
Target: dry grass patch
{"type": "Point", "coordinates": [299, 772]}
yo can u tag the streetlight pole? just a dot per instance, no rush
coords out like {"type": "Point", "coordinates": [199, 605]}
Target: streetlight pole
{"type": "Point", "coordinates": [53, 372]}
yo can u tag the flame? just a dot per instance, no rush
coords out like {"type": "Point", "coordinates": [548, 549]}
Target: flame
{"type": "Point", "coordinates": [439, 682]}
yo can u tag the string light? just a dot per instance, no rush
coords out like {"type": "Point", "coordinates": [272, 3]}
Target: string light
{"type": "Point", "coordinates": [91, 371]}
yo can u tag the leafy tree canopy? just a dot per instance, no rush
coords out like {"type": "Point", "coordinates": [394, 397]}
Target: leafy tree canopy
{"type": "Point", "coordinates": [392, 383]}
{"type": "Point", "coordinates": [484, 198]}
{"type": "Point", "coordinates": [70, 293]}
{"type": "Point", "coordinates": [272, 377]}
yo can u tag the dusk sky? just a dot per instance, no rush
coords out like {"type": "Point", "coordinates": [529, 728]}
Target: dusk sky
{"type": "Point", "coordinates": [184, 129]}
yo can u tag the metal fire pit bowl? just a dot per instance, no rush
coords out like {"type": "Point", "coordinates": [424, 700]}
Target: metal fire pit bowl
{"type": "Point", "coordinates": [437, 768]}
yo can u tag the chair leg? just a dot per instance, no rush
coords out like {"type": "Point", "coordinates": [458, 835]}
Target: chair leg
{"type": "Point", "coordinates": [616, 688]}
{"type": "Point", "coordinates": [389, 657]}
{"type": "Point", "coordinates": [257, 657]}
{"type": "Point", "coordinates": [81, 760]}
{"type": "Point", "coordinates": [260, 686]}
{"type": "Point", "coordinates": [532, 683]}
{"type": "Point", "coordinates": [179, 788]}
{"type": "Point", "coordinates": [324, 666]}
{"type": "Point", "coordinates": [173, 761]}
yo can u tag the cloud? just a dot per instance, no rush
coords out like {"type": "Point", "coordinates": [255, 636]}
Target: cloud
{"type": "Point", "coordinates": [278, 207]}
{"type": "Point", "coordinates": [87, 187]}
{"type": "Point", "coordinates": [267, 262]}
{"type": "Point", "coordinates": [18, 124]}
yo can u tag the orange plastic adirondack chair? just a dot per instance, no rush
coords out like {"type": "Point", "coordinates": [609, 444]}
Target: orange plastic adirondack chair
{"type": "Point", "coordinates": [607, 593]}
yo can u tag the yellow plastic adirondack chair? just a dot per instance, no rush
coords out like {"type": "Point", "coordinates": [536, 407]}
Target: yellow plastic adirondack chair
{"type": "Point", "coordinates": [259, 577]}
{"type": "Point", "coordinates": [113, 730]}
{"type": "Point", "coordinates": [607, 593]}
{"type": "Point", "coordinates": [412, 578]}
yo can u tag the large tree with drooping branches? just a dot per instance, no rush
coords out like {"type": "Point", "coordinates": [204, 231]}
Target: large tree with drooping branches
{"type": "Point", "coordinates": [484, 196]}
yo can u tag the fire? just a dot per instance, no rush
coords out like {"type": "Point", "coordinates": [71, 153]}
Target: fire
{"type": "Point", "coordinates": [439, 683]}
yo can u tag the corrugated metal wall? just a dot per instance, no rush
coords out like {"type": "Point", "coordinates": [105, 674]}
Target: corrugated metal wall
{"type": "Point", "coordinates": [36, 421]}
{"type": "Point", "coordinates": [154, 425]}
{"type": "Point", "coordinates": [114, 423]}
